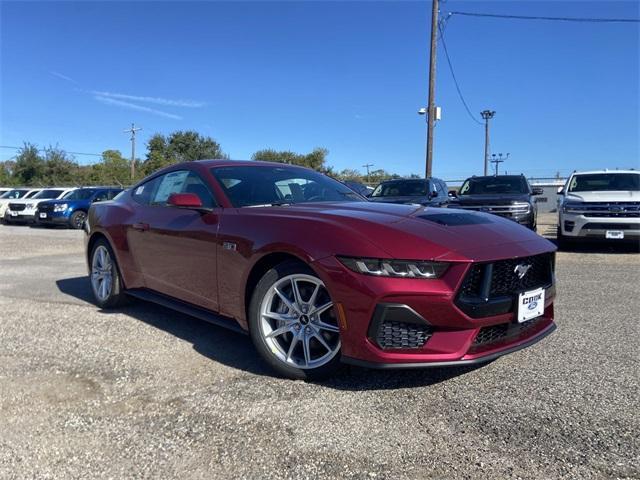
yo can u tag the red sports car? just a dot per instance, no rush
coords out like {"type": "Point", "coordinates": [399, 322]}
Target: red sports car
{"type": "Point", "coordinates": [316, 274]}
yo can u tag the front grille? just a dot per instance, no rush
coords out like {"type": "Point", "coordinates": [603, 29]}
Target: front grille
{"type": "Point", "coordinates": [502, 210]}
{"type": "Point", "coordinates": [45, 208]}
{"type": "Point", "coordinates": [608, 209]}
{"type": "Point", "coordinates": [503, 332]}
{"type": "Point", "coordinates": [402, 335]}
{"type": "Point", "coordinates": [611, 226]}
{"type": "Point", "coordinates": [490, 288]}
{"type": "Point", "coordinates": [16, 207]}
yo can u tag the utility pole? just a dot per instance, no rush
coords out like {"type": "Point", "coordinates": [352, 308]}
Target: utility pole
{"type": "Point", "coordinates": [431, 105]}
{"type": "Point", "coordinates": [498, 160]}
{"type": "Point", "coordinates": [367, 165]}
{"type": "Point", "coordinates": [133, 131]}
{"type": "Point", "coordinates": [487, 115]}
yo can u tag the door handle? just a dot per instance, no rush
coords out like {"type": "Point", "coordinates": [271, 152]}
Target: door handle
{"type": "Point", "coordinates": [143, 227]}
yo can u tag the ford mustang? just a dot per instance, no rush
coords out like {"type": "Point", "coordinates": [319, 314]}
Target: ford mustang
{"type": "Point", "coordinates": [317, 275]}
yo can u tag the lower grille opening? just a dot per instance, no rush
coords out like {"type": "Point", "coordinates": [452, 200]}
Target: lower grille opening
{"type": "Point", "coordinates": [503, 332]}
{"type": "Point", "coordinates": [402, 335]}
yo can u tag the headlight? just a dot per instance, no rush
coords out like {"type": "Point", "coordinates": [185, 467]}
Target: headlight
{"type": "Point", "coordinates": [395, 268]}
{"type": "Point", "coordinates": [60, 207]}
{"type": "Point", "coordinates": [573, 207]}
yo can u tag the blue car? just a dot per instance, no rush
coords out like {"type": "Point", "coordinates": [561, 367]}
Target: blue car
{"type": "Point", "coordinates": [71, 210]}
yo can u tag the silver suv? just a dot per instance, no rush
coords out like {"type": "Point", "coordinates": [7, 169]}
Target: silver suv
{"type": "Point", "coordinates": [602, 204]}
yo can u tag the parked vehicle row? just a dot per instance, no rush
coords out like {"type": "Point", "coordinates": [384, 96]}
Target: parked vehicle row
{"type": "Point", "coordinates": [51, 206]}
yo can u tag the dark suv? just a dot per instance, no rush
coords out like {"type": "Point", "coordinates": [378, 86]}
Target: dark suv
{"type": "Point", "coordinates": [423, 191]}
{"type": "Point", "coordinates": [509, 196]}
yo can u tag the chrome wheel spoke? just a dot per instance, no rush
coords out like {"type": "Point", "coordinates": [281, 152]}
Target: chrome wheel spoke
{"type": "Point", "coordinates": [327, 326]}
{"type": "Point", "coordinates": [286, 301]}
{"type": "Point", "coordinates": [318, 336]}
{"type": "Point", "coordinates": [321, 309]}
{"type": "Point", "coordinates": [279, 316]}
{"type": "Point", "coordinates": [297, 300]}
{"type": "Point", "coordinates": [306, 349]}
{"type": "Point", "coordinates": [314, 296]}
{"type": "Point", "coordinates": [292, 347]}
{"type": "Point", "coordinates": [279, 331]}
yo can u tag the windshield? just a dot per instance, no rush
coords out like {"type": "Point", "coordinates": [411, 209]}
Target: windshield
{"type": "Point", "coordinates": [248, 186]}
{"type": "Point", "coordinates": [17, 193]}
{"type": "Point", "coordinates": [410, 188]}
{"type": "Point", "coordinates": [598, 182]}
{"type": "Point", "coordinates": [494, 185]}
{"type": "Point", "coordinates": [80, 194]}
{"type": "Point", "coordinates": [48, 193]}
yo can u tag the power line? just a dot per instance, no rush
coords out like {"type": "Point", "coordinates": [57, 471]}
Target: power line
{"type": "Point", "coordinates": [455, 81]}
{"type": "Point", "coordinates": [556, 19]}
{"type": "Point", "coordinates": [45, 149]}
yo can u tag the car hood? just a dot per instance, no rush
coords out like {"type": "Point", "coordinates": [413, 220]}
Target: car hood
{"type": "Point", "coordinates": [505, 199]}
{"type": "Point", "coordinates": [607, 196]}
{"type": "Point", "coordinates": [429, 233]}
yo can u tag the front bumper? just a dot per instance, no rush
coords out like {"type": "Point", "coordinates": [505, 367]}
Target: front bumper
{"type": "Point", "coordinates": [24, 216]}
{"type": "Point", "coordinates": [452, 337]}
{"type": "Point", "coordinates": [580, 226]}
{"type": "Point", "coordinates": [52, 218]}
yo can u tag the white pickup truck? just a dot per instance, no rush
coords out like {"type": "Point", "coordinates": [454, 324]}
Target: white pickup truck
{"type": "Point", "coordinates": [602, 204]}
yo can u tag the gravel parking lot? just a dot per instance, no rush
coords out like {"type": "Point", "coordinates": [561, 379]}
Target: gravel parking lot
{"type": "Point", "coordinates": [146, 392]}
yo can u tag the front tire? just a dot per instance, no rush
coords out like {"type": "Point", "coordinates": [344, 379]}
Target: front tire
{"type": "Point", "coordinates": [106, 283]}
{"type": "Point", "coordinates": [77, 219]}
{"type": "Point", "coordinates": [293, 323]}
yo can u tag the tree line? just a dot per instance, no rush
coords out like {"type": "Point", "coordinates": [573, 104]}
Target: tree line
{"type": "Point", "coordinates": [53, 166]}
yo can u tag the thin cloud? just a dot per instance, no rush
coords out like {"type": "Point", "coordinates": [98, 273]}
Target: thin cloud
{"type": "Point", "coordinates": [168, 102]}
{"type": "Point", "coordinates": [133, 106]}
{"type": "Point", "coordinates": [64, 77]}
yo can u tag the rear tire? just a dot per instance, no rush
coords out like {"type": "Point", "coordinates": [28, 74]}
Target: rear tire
{"type": "Point", "coordinates": [77, 219]}
{"type": "Point", "coordinates": [293, 325]}
{"type": "Point", "coordinates": [106, 283]}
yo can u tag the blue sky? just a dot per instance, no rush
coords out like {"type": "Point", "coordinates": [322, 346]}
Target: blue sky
{"type": "Point", "coordinates": [347, 76]}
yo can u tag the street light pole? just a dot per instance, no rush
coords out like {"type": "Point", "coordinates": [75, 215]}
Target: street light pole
{"type": "Point", "coordinates": [486, 115]}
{"type": "Point", "coordinates": [431, 106]}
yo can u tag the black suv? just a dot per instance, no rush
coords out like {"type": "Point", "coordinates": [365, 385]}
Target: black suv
{"type": "Point", "coordinates": [509, 196]}
{"type": "Point", "coordinates": [423, 191]}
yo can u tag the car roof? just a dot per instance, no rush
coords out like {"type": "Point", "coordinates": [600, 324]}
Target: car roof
{"type": "Point", "coordinates": [606, 171]}
{"type": "Point", "coordinates": [495, 176]}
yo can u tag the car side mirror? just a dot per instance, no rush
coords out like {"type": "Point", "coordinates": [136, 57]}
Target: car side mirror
{"type": "Point", "coordinates": [185, 200]}
{"type": "Point", "coordinates": [537, 191]}
{"type": "Point", "coordinates": [453, 194]}
{"type": "Point", "coordinates": [561, 191]}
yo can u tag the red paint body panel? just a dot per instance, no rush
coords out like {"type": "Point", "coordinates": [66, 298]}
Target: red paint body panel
{"type": "Point", "coordinates": [206, 258]}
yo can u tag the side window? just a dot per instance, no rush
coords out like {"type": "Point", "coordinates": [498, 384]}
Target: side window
{"type": "Point", "coordinates": [144, 193]}
{"type": "Point", "coordinates": [441, 190]}
{"type": "Point", "coordinates": [101, 196]}
{"type": "Point", "coordinates": [194, 184]}
{"type": "Point", "coordinates": [433, 187]}
{"type": "Point", "coordinates": [112, 194]}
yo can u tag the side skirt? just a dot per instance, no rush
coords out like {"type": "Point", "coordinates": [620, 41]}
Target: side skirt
{"type": "Point", "coordinates": [186, 308]}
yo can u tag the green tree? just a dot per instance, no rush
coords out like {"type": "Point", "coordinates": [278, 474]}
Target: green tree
{"type": "Point", "coordinates": [29, 168]}
{"type": "Point", "coordinates": [6, 173]}
{"type": "Point", "coordinates": [59, 167]}
{"type": "Point", "coordinates": [180, 147]}
{"type": "Point", "coordinates": [316, 159]}
{"type": "Point", "coordinates": [113, 169]}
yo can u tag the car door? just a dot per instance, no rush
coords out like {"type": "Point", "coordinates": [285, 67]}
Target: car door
{"type": "Point", "coordinates": [175, 248]}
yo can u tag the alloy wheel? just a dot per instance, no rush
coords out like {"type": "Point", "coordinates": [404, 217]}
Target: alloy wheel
{"type": "Point", "coordinates": [101, 273]}
{"type": "Point", "coordinates": [298, 322]}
